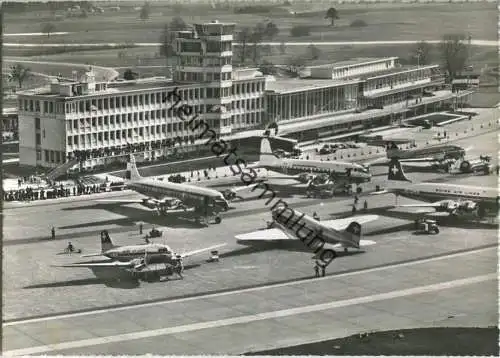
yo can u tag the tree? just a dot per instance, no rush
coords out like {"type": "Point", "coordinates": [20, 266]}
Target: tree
{"type": "Point", "coordinates": [48, 28]}
{"type": "Point", "coordinates": [145, 11]}
{"type": "Point", "coordinates": [167, 40]}
{"type": "Point", "coordinates": [282, 48]}
{"type": "Point", "coordinates": [358, 23]}
{"type": "Point", "coordinates": [300, 30]}
{"type": "Point", "coordinates": [271, 30]}
{"type": "Point", "coordinates": [130, 75]}
{"type": "Point", "coordinates": [178, 24]}
{"type": "Point", "coordinates": [314, 52]}
{"type": "Point", "coordinates": [453, 54]}
{"type": "Point", "coordinates": [18, 73]}
{"type": "Point", "coordinates": [256, 38]}
{"type": "Point", "coordinates": [243, 37]}
{"type": "Point", "coordinates": [295, 64]}
{"type": "Point", "coordinates": [332, 14]}
{"type": "Point", "coordinates": [421, 54]}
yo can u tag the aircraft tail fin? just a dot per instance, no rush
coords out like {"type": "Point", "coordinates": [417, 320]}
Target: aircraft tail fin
{"type": "Point", "coordinates": [353, 231]}
{"type": "Point", "coordinates": [267, 156]}
{"type": "Point", "coordinates": [392, 145]}
{"type": "Point", "coordinates": [106, 243]}
{"type": "Point", "coordinates": [132, 173]}
{"type": "Point", "coordinates": [396, 171]}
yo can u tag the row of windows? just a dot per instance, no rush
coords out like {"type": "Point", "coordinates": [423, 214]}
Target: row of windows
{"type": "Point", "coordinates": [51, 156]}
{"type": "Point", "coordinates": [205, 61]}
{"type": "Point", "coordinates": [202, 76]}
{"type": "Point", "coordinates": [456, 192]}
{"type": "Point", "coordinates": [214, 29]}
{"type": "Point", "coordinates": [401, 78]}
{"type": "Point", "coordinates": [139, 117]}
{"type": "Point", "coordinates": [40, 106]}
{"type": "Point", "coordinates": [114, 102]}
{"type": "Point", "coordinates": [163, 129]}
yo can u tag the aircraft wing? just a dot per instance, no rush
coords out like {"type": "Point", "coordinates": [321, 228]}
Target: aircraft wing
{"type": "Point", "coordinates": [264, 235]}
{"type": "Point", "coordinates": [418, 160]}
{"type": "Point", "coordinates": [241, 188]}
{"type": "Point", "coordinates": [97, 264]}
{"type": "Point", "coordinates": [125, 201]}
{"type": "Point", "coordinates": [377, 161]}
{"type": "Point", "coordinates": [342, 224]}
{"type": "Point", "coordinates": [195, 252]}
{"type": "Point", "coordinates": [421, 205]}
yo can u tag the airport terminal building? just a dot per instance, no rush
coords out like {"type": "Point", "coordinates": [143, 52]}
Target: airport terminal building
{"type": "Point", "coordinates": [102, 119]}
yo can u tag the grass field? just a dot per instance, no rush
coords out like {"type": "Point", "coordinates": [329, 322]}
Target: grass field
{"type": "Point", "coordinates": [419, 342]}
{"type": "Point", "coordinates": [387, 22]}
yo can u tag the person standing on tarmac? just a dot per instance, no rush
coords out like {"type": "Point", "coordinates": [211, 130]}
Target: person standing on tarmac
{"type": "Point", "coordinates": [178, 268]}
{"type": "Point", "coordinates": [365, 205]}
{"type": "Point", "coordinates": [323, 269]}
{"type": "Point", "coordinates": [316, 216]}
{"type": "Point", "coordinates": [316, 269]}
{"type": "Point", "coordinates": [53, 233]}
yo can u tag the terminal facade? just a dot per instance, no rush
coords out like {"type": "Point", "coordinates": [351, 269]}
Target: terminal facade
{"type": "Point", "coordinates": [104, 118]}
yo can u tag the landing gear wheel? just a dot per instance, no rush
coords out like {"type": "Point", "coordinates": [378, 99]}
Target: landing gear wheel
{"type": "Point", "coordinates": [218, 220]}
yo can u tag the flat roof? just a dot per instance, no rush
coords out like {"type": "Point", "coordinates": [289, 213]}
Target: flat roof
{"type": "Point", "coordinates": [295, 85]}
{"type": "Point", "coordinates": [9, 110]}
{"type": "Point", "coordinates": [395, 70]}
{"type": "Point", "coordinates": [354, 61]}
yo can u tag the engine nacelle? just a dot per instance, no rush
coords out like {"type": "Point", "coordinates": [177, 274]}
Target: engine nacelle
{"type": "Point", "coordinates": [468, 206]}
{"type": "Point", "coordinates": [449, 206]}
{"type": "Point", "coordinates": [229, 194]}
{"type": "Point", "coordinates": [305, 177]}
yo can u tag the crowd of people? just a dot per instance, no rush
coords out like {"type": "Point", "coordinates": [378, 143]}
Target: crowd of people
{"type": "Point", "coordinates": [49, 191]}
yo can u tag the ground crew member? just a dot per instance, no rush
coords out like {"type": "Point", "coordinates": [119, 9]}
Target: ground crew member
{"type": "Point", "coordinates": [70, 247]}
{"type": "Point", "coordinates": [316, 269]}
{"type": "Point", "coordinates": [140, 228]}
{"type": "Point", "coordinates": [323, 269]}
{"type": "Point", "coordinates": [316, 216]}
{"type": "Point", "coordinates": [356, 199]}
{"type": "Point", "coordinates": [53, 231]}
{"type": "Point", "coordinates": [365, 205]}
{"type": "Point", "coordinates": [178, 268]}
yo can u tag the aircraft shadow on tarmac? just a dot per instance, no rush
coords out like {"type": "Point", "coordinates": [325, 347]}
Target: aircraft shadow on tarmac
{"type": "Point", "coordinates": [281, 245]}
{"type": "Point", "coordinates": [103, 277]}
{"type": "Point", "coordinates": [132, 215]}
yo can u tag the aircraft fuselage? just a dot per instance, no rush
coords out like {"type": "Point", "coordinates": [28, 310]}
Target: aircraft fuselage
{"type": "Point", "coordinates": [354, 173]}
{"type": "Point", "coordinates": [127, 253]}
{"type": "Point", "coordinates": [439, 152]}
{"type": "Point", "coordinates": [433, 192]}
{"type": "Point", "coordinates": [308, 229]}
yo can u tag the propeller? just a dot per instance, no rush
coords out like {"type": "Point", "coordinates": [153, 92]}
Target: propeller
{"type": "Point", "coordinates": [141, 263]}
